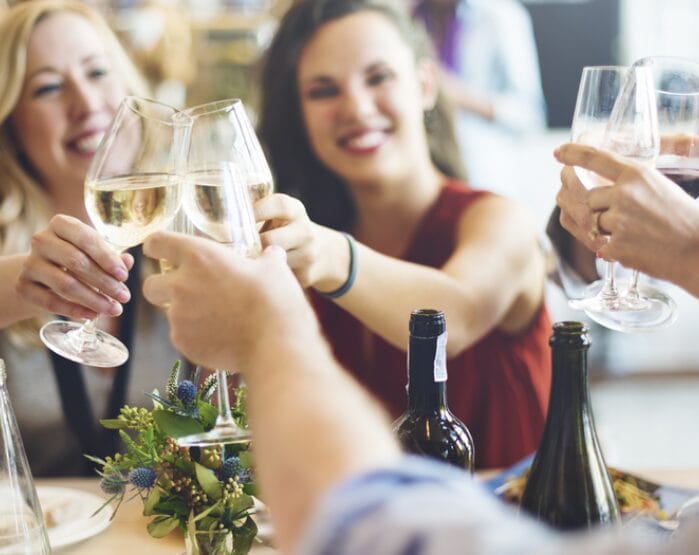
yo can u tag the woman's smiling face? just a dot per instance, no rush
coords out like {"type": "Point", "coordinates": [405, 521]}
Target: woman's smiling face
{"type": "Point", "coordinates": [362, 98]}
{"type": "Point", "coordinates": [68, 99]}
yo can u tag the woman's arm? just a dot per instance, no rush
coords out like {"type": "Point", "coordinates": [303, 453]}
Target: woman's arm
{"type": "Point", "coordinates": [493, 279]}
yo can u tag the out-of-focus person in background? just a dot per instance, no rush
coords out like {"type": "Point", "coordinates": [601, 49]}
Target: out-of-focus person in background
{"type": "Point", "coordinates": [490, 73]}
{"type": "Point", "coordinates": [357, 132]}
{"type": "Point", "coordinates": [62, 77]}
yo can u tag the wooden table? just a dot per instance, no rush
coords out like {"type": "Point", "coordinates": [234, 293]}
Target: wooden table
{"type": "Point", "coordinates": [126, 535]}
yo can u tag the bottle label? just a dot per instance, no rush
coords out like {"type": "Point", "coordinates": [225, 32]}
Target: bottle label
{"type": "Point", "coordinates": [440, 359]}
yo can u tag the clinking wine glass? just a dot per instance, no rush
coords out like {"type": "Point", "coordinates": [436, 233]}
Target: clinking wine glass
{"type": "Point", "coordinates": [616, 110]}
{"type": "Point", "coordinates": [223, 133]}
{"type": "Point", "coordinates": [217, 202]}
{"type": "Point", "coordinates": [131, 190]}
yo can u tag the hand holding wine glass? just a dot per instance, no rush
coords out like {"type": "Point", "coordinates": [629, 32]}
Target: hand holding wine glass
{"type": "Point", "coordinates": [616, 110]}
{"type": "Point", "coordinates": [653, 225]}
{"type": "Point", "coordinates": [131, 190]}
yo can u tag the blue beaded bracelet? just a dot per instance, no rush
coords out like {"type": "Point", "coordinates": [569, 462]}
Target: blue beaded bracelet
{"type": "Point", "coordinates": [349, 282]}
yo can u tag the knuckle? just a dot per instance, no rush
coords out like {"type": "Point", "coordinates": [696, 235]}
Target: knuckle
{"type": "Point", "coordinates": [66, 285]}
{"type": "Point", "coordinates": [77, 262]}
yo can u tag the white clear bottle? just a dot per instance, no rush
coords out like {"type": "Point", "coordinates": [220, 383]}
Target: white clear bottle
{"type": "Point", "coordinates": [22, 528]}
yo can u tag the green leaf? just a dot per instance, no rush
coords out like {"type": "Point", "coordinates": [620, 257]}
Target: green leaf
{"type": "Point", "coordinates": [151, 501]}
{"type": "Point", "coordinates": [113, 423]}
{"type": "Point", "coordinates": [244, 536]}
{"type": "Point", "coordinates": [207, 414]}
{"type": "Point", "coordinates": [208, 481]}
{"type": "Point", "coordinates": [239, 505]}
{"type": "Point", "coordinates": [176, 425]}
{"type": "Point", "coordinates": [161, 526]}
{"type": "Point", "coordinates": [251, 489]}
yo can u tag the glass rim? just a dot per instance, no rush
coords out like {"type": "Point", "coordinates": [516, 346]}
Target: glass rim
{"type": "Point", "coordinates": [213, 107]}
{"type": "Point", "coordinates": [131, 102]}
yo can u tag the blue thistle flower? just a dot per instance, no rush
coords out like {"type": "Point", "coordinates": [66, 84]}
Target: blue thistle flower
{"type": "Point", "coordinates": [231, 468]}
{"type": "Point", "coordinates": [186, 391]}
{"type": "Point", "coordinates": [112, 484]}
{"type": "Point", "coordinates": [143, 478]}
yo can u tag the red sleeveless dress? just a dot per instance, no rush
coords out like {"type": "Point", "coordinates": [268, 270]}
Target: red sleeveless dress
{"type": "Point", "coordinates": [498, 387]}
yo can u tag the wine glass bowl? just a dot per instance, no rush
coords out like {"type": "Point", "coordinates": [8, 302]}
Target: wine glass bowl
{"type": "Point", "coordinates": [131, 190]}
{"type": "Point", "coordinates": [224, 134]}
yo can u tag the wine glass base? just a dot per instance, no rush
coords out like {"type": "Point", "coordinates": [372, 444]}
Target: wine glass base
{"type": "Point", "coordinates": [662, 312]}
{"type": "Point", "coordinates": [62, 338]}
{"type": "Point", "coordinates": [222, 435]}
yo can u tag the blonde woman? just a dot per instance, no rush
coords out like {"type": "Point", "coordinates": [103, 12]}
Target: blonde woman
{"type": "Point", "coordinates": [62, 77]}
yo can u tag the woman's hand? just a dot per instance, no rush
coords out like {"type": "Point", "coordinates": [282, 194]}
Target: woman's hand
{"type": "Point", "coordinates": [70, 270]}
{"type": "Point", "coordinates": [318, 256]}
{"type": "Point", "coordinates": [653, 225]}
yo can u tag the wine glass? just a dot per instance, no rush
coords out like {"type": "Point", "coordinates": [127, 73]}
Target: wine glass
{"type": "Point", "coordinates": [677, 96]}
{"type": "Point", "coordinates": [217, 201]}
{"type": "Point", "coordinates": [616, 110]}
{"type": "Point", "coordinates": [131, 190]}
{"type": "Point", "coordinates": [224, 133]}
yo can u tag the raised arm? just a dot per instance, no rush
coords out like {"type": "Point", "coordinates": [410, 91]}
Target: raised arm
{"type": "Point", "coordinates": [322, 413]}
{"type": "Point", "coordinates": [494, 278]}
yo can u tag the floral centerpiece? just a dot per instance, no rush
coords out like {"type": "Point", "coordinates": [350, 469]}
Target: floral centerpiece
{"type": "Point", "coordinates": [206, 493]}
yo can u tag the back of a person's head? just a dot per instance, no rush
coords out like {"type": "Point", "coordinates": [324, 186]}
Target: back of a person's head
{"type": "Point", "coordinates": [281, 126]}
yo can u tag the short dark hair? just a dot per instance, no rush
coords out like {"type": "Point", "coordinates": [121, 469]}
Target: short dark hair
{"type": "Point", "coordinates": [297, 170]}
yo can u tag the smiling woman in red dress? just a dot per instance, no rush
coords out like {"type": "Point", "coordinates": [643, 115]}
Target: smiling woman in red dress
{"type": "Point", "coordinates": [360, 143]}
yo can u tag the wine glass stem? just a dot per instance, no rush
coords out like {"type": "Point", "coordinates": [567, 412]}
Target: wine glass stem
{"type": "Point", "coordinates": [85, 337]}
{"type": "Point", "coordinates": [633, 290]}
{"type": "Point", "coordinates": [224, 418]}
{"type": "Point", "coordinates": [609, 291]}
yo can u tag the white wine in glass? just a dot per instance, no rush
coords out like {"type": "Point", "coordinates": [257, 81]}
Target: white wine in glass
{"type": "Point", "coordinates": [131, 190]}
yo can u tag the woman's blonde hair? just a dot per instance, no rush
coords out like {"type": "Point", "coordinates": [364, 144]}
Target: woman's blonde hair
{"type": "Point", "coordinates": [24, 204]}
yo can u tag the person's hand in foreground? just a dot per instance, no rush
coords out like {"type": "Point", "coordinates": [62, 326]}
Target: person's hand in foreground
{"type": "Point", "coordinates": [250, 315]}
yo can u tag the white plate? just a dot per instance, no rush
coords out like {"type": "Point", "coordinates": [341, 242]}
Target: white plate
{"type": "Point", "coordinates": [68, 514]}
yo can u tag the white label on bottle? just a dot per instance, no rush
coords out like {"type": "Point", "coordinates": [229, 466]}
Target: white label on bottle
{"type": "Point", "coordinates": [440, 359]}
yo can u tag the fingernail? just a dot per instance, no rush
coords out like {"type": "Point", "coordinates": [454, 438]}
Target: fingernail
{"type": "Point", "coordinates": [120, 273]}
{"type": "Point", "coordinates": [115, 309]}
{"type": "Point", "coordinates": [123, 294]}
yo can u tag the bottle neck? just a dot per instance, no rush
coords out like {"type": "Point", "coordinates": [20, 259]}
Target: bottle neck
{"type": "Point", "coordinates": [569, 383]}
{"type": "Point", "coordinates": [427, 385]}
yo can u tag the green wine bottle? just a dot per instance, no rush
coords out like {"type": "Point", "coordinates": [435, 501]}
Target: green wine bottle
{"type": "Point", "coordinates": [568, 484]}
{"type": "Point", "coordinates": [428, 427]}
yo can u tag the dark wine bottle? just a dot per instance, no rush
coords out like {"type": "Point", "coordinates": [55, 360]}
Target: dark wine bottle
{"type": "Point", "coordinates": [428, 427]}
{"type": "Point", "coordinates": [568, 484]}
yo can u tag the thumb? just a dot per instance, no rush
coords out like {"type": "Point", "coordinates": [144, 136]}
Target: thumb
{"type": "Point", "coordinates": [274, 252]}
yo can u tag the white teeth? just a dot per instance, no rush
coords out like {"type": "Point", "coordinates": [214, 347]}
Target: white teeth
{"type": "Point", "coordinates": [366, 140]}
{"type": "Point", "coordinates": [90, 143]}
